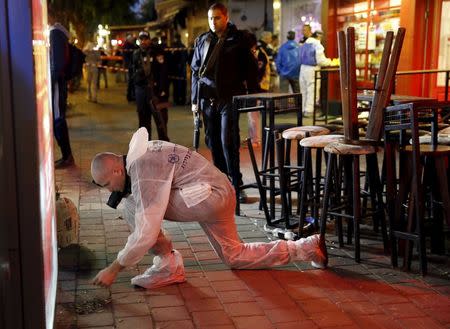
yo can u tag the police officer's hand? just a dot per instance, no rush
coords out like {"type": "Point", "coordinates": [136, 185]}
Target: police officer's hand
{"type": "Point", "coordinates": [194, 108]}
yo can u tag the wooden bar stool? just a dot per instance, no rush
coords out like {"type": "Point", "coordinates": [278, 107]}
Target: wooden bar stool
{"type": "Point", "coordinates": [275, 181]}
{"type": "Point", "coordinates": [431, 176]}
{"type": "Point", "coordinates": [297, 134]}
{"type": "Point", "coordinates": [284, 178]}
{"type": "Point", "coordinates": [269, 140]}
{"type": "Point", "coordinates": [311, 184]}
{"type": "Point", "coordinates": [296, 171]}
{"type": "Point", "coordinates": [349, 205]}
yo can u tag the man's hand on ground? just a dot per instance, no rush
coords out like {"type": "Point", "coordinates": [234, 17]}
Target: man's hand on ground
{"type": "Point", "coordinates": [107, 276]}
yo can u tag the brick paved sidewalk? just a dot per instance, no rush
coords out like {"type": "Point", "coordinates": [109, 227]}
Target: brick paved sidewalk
{"type": "Point", "coordinates": [347, 295]}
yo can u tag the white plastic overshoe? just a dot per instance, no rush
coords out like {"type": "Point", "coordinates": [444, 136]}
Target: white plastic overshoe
{"type": "Point", "coordinates": [321, 255]}
{"type": "Point", "coordinates": [311, 249]}
{"type": "Point", "coordinates": [164, 271]}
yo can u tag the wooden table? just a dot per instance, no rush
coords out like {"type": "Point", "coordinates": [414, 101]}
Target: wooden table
{"type": "Point", "coordinates": [367, 96]}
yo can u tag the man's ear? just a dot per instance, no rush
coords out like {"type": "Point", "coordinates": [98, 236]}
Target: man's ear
{"type": "Point", "coordinates": [118, 171]}
{"type": "Point", "coordinates": [119, 168]}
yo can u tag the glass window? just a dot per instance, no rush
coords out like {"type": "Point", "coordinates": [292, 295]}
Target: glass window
{"type": "Point", "coordinates": [371, 20]}
{"type": "Point", "coordinates": [444, 42]}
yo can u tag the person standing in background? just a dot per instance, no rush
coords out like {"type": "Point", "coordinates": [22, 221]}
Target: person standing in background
{"type": "Point", "coordinates": [178, 61]}
{"type": "Point", "coordinates": [275, 43]}
{"type": "Point", "coordinates": [143, 81]}
{"type": "Point", "coordinates": [59, 62]}
{"type": "Point", "coordinates": [222, 67]}
{"type": "Point", "coordinates": [288, 64]}
{"type": "Point", "coordinates": [92, 62]}
{"type": "Point", "coordinates": [128, 48]}
{"type": "Point", "coordinates": [161, 85]}
{"type": "Point", "coordinates": [102, 70]}
{"type": "Point", "coordinates": [312, 57]}
{"type": "Point", "coordinates": [307, 32]}
{"type": "Point", "coordinates": [254, 129]}
{"type": "Point", "coordinates": [274, 77]}
{"type": "Point", "coordinates": [265, 43]}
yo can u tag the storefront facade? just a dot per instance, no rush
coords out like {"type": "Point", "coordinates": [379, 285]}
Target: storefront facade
{"type": "Point", "coordinates": [28, 247]}
{"type": "Point", "coordinates": [426, 45]}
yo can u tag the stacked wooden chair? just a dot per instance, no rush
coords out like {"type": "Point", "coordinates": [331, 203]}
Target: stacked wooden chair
{"type": "Point", "coordinates": [350, 148]}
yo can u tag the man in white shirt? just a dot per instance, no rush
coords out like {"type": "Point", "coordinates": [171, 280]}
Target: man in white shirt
{"type": "Point", "coordinates": [312, 57]}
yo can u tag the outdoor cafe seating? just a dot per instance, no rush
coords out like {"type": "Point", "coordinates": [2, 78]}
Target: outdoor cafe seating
{"type": "Point", "coordinates": [350, 148]}
{"type": "Point", "coordinates": [405, 200]}
{"type": "Point", "coordinates": [418, 190]}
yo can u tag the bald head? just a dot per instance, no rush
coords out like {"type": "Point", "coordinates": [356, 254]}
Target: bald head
{"type": "Point", "coordinates": [107, 170]}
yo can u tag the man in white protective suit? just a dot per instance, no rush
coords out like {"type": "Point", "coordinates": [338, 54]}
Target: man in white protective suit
{"type": "Point", "coordinates": [169, 181]}
{"type": "Point", "coordinates": [312, 57]}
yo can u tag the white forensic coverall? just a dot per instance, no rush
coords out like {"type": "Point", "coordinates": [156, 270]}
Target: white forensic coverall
{"type": "Point", "coordinates": [306, 77]}
{"type": "Point", "coordinates": [169, 181]}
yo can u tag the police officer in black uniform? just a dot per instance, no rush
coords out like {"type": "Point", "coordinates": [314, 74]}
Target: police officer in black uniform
{"type": "Point", "coordinates": [222, 67]}
{"type": "Point", "coordinates": [142, 76]}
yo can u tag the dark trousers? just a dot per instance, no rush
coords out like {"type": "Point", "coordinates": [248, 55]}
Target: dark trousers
{"type": "Point", "coordinates": [102, 73]}
{"type": "Point", "coordinates": [295, 85]}
{"type": "Point", "coordinates": [179, 92]}
{"type": "Point", "coordinates": [146, 110]}
{"type": "Point", "coordinates": [164, 110]}
{"type": "Point", "coordinates": [222, 137]}
{"type": "Point", "coordinates": [130, 87]}
{"type": "Point", "coordinates": [60, 129]}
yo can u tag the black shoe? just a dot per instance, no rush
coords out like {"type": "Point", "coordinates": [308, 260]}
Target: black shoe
{"type": "Point", "coordinates": [65, 163]}
{"type": "Point", "coordinates": [242, 197]}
